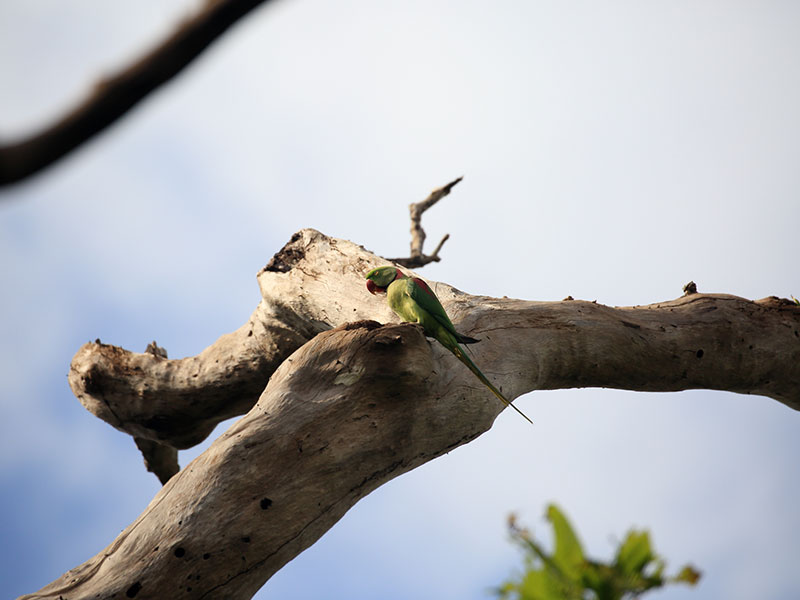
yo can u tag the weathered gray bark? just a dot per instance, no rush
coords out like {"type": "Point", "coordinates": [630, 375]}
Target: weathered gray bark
{"type": "Point", "coordinates": [342, 415]}
{"type": "Point", "coordinates": [356, 406]}
{"type": "Point", "coordinates": [418, 258]}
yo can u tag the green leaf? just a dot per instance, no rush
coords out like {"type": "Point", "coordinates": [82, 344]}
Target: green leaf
{"type": "Point", "coordinates": [544, 585]}
{"type": "Point", "coordinates": [601, 579]}
{"type": "Point", "coordinates": [568, 554]}
{"type": "Point", "coordinates": [635, 553]}
{"type": "Point", "coordinates": [567, 574]}
{"type": "Point", "coordinates": [688, 574]}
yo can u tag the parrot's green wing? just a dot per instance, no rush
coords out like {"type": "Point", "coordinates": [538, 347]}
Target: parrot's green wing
{"type": "Point", "coordinates": [422, 294]}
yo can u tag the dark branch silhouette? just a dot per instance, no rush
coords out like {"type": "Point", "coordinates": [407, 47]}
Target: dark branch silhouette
{"type": "Point", "coordinates": [112, 97]}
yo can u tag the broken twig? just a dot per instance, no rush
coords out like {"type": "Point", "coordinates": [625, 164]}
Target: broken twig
{"type": "Point", "coordinates": [418, 258]}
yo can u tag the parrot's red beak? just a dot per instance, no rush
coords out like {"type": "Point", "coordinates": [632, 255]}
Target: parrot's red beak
{"type": "Point", "coordinates": [373, 289]}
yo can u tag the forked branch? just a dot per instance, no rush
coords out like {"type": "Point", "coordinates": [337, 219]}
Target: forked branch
{"type": "Point", "coordinates": [418, 258]}
{"type": "Point", "coordinates": [362, 403]}
{"type": "Point", "coordinates": [709, 341]}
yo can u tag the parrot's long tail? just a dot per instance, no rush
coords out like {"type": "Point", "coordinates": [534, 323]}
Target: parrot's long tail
{"type": "Point", "coordinates": [461, 355]}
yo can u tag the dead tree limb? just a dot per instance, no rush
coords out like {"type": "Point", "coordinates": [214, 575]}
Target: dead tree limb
{"type": "Point", "coordinates": [113, 96]}
{"type": "Point", "coordinates": [353, 408]}
{"type": "Point", "coordinates": [418, 258]}
{"type": "Point", "coordinates": [159, 459]}
{"type": "Point", "coordinates": [315, 283]}
{"type": "Point", "coordinates": [362, 403]}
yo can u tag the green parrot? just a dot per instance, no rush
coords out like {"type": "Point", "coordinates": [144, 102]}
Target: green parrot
{"type": "Point", "coordinates": [414, 301]}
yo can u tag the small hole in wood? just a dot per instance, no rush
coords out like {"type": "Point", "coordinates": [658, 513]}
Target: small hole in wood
{"type": "Point", "coordinates": [133, 590]}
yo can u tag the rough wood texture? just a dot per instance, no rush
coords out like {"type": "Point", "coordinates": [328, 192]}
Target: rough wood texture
{"type": "Point", "coordinates": [361, 404]}
{"type": "Point", "coordinates": [352, 409]}
{"type": "Point", "coordinates": [315, 282]}
{"type": "Point", "coordinates": [179, 402]}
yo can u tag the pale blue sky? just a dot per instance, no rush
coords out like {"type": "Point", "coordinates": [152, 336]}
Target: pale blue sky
{"type": "Point", "coordinates": [611, 151]}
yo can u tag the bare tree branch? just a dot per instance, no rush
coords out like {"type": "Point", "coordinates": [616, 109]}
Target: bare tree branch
{"type": "Point", "coordinates": [418, 258]}
{"type": "Point", "coordinates": [159, 459]}
{"type": "Point", "coordinates": [179, 402]}
{"type": "Point", "coordinates": [697, 341]}
{"type": "Point", "coordinates": [112, 97]}
{"type": "Point", "coordinates": [363, 403]}
{"type": "Point", "coordinates": [350, 410]}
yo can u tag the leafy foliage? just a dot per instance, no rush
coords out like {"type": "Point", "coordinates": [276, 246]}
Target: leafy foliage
{"type": "Point", "coordinates": [567, 574]}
